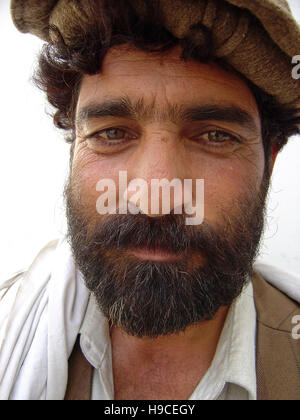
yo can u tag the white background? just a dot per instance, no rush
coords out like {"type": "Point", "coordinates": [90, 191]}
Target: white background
{"type": "Point", "coordinates": [34, 166]}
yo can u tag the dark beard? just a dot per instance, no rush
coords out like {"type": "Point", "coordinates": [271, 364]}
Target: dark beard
{"type": "Point", "coordinates": [150, 298]}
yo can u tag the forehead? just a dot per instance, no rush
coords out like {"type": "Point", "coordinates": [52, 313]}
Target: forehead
{"type": "Point", "coordinates": [164, 78]}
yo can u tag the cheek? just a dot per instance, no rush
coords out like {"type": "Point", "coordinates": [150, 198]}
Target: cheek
{"type": "Point", "coordinates": [226, 181]}
{"type": "Point", "coordinates": [87, 170]}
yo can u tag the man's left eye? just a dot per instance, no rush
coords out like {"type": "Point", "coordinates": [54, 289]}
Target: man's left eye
{"type": "Point", "coordinates": [217, 141]}
{"type": "Point", "coordinates": [219, 137]}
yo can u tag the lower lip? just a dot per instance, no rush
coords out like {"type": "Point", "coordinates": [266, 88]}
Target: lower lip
{"type": "Point", "coordinates": [156, 255]}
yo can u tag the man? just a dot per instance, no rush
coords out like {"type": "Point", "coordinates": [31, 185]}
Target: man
{"type": "Point", "coordinates": [137, 303]}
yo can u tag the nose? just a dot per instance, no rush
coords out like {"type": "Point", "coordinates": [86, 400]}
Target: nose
{"type": "Point", "coordinates": [155, 175]}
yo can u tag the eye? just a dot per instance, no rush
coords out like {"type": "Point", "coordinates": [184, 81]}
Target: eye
{"type": "Point", "coordinates": [218, 137]}
{"type": "Point", "coordinates": [110, 134]}
{"type": "Point", "coordinates": [217, 140]}
{"type": "Point", "coordinates": [113, 134]}
{"type": "Point", "coordinates": [109, 138]}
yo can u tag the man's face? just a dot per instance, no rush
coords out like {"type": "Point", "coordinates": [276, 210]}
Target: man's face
{"type": "Point", "coordinates": [158, 117]}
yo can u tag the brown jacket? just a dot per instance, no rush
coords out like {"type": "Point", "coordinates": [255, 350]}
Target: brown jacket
{"type": "Point", "coordinates": [277, 355]}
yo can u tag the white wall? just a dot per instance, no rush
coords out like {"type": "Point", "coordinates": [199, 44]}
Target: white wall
{"type": "Point", "coordinates": [33, 155]}
{"type": "Point", "coordinates": [34, 162]}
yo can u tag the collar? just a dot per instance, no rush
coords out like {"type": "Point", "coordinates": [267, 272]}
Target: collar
{"type": "Point", "coordinates": [96, 345]}
{"type": "Point", "coordinates": [233, 369]}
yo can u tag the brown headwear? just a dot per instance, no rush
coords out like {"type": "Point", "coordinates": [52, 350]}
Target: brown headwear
{"type": "Point", "coordinates": [257, 37]}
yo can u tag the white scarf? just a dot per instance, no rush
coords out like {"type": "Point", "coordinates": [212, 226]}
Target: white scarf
{"type": "Point", "coordinates": [41, 315]}
{"type": "Point", "coordinates": [41, 327]}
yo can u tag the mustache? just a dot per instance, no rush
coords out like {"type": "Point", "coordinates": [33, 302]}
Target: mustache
{"type": "Point", "coordinates": [171, 234]}
{"type": "Point", "coordinates": [167, 232]}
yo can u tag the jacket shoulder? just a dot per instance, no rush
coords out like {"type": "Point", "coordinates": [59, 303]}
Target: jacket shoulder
{"type": "Point", "coordinates": [277, 349]}
{"type": "Point", "coordinates": [274, 308]}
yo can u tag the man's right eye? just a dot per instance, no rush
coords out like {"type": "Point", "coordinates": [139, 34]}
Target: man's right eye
{"type": "Point", "coordinates": [109, 138]}
{"type": "Point", "coordinates": [112, 134]}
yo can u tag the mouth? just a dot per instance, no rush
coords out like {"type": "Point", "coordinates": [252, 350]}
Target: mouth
{"type": "Point", "coordinates": [157, 254]}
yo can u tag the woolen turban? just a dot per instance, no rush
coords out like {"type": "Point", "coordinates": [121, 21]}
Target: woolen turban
{"type": "Point", "coordinates": [257, 37]}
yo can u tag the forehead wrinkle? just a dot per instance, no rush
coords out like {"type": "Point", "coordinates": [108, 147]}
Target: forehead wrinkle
{"type": "Point", "coordinates": [153, 113]}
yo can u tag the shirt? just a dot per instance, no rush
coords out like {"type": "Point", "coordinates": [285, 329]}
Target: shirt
{"type": "Point", "coordinates": [231, 375]}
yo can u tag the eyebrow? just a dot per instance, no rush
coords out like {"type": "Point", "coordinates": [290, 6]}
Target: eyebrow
{"type": "Point", "coordinates": [124, 108]}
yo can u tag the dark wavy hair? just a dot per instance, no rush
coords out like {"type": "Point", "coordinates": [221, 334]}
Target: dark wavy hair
{"type": "Point", "coordinates": [115, 22]}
